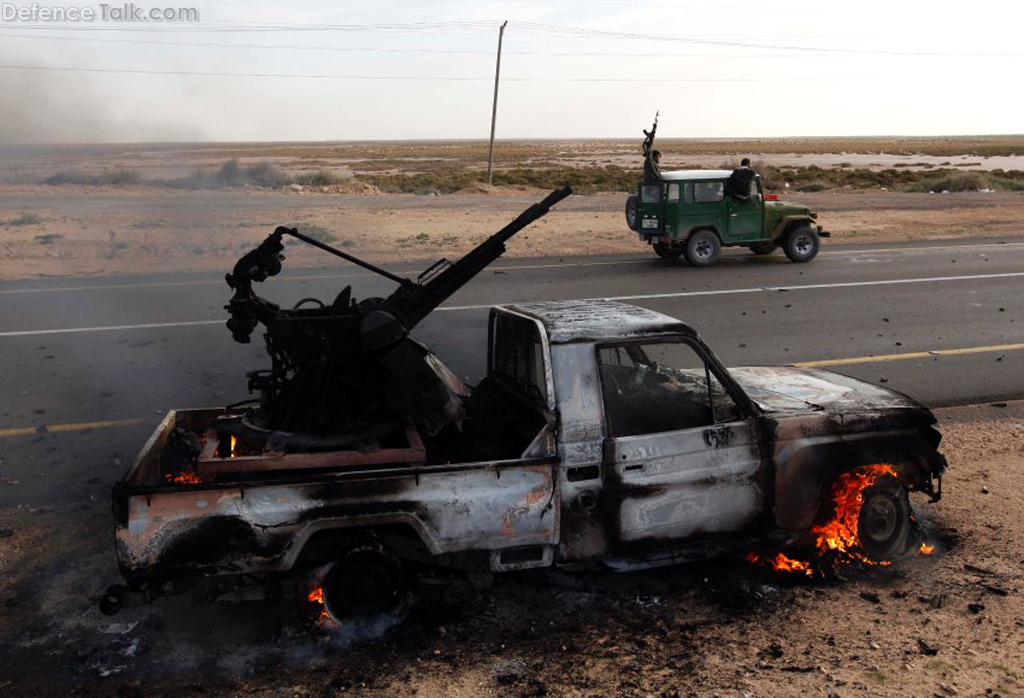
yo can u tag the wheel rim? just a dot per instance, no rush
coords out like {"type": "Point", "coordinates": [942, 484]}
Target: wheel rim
{"type": "Point", "coordinates": [879, 519]}
{"type": "Point", "coordinates": [803, 244]}
{"type": "Point", "coordinates": [703, 250]}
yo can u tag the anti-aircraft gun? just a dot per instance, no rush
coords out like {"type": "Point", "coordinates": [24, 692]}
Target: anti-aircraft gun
{"type": "Point", "coordinates": [347, 374]}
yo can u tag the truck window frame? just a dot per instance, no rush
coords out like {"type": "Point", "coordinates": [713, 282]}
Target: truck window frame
{"type": "Point", "coordinates": [547, 401]}
{"type": "Point", "coordinates": [744, 408]}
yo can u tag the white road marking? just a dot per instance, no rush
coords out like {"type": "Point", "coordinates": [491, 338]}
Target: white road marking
{"type": "Point", "coordinates": [114, 328]}
{"type": "Point", "coordinates": [515, 267]}
{"type": "Point", "coordinates": [647, 296]}
{"type": "Point", "coordinates": [762, 289]}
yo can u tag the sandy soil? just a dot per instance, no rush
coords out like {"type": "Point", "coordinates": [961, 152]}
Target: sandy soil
{"type": "Point", "coordinates": [947, 625]}
{"type": "Point", "coordinates": [124, 230]}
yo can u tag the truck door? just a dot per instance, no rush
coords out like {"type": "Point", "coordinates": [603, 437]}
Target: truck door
{"type": "Point", "coordinates": [745, 217]}
{"type": "Point", "coordinates": [683, 461]}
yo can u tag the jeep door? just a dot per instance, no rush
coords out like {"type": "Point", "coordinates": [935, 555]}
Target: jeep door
{"type": "Point", "coordinates": [703, 206]}
{"type": "Point", "coordinates": [746, 217]}
{"type": "Point", "coordinates": [683, 460]}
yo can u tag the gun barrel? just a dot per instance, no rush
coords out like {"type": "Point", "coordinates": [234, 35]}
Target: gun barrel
{"type": "Point", "coordinates": [415, 303]}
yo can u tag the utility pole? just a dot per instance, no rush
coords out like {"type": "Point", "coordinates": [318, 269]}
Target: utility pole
{"type": "Point", "coordinates": [494, 109]}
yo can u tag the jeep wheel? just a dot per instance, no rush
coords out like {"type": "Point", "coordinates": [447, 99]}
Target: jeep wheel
{"type": "Point", "coordinates": [764, 248]}
{"type": "Point", "coordinates": [885, 524]}
{"type": "Point", "coordinates": [703, 249]}
{"type": "Point", "coordinates": [802, 244]}
{"type": "Point", "coordinates": [631, 212]}
{"type": "Point", "coordinates": [668, 252]}
{"type": "Point", "coordinates": [366, 580]}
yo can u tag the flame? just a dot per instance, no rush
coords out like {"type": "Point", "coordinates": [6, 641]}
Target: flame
{"type": "Point", "coordinates": [926, 549]}
{"type": "Point", "coordinates": [231, 454]}
{"type": "Point", "coordinates": [839, 534]}
{"type": "Point", "coordinates": [837, 540]}
{"type": "Point", "coordinates": [317, 596]}
{"type": "Point", "coordinates": [783, 563]}
{"type": "Point", "coordinates": [185, 477]}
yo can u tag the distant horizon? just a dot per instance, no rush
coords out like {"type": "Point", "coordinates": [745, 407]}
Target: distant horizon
{"type": "Point", "coordinates": [499, 141]}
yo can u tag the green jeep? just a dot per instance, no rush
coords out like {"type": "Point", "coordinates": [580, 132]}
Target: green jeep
{"type": "Point", "coordinates": [688, 213]}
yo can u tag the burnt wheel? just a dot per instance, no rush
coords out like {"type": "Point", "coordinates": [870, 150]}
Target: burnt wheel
{"type": "Point", "coordinates": [631, 212]}
{"type": "Point", "coordinates": [802, 244]}
{"type": "Point", "coordinates": [366, 580]}
{"type": "Point", "coordinates": [703, 248]}
{"type": "Point", "coordinates": [667, 252]}
{"type": "Point", "coordinates": [764, 248]}
{"type": "Point", "coordinates": [885, 524]}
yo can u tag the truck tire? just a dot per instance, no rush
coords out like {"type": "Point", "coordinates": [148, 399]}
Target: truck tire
{"type": "Point", "coordinates": [703, 249]}
{"type": "Point", "coordinates": [667, 251]}
{"type": "Point", "coordinates": [631, 212]}
{"type": "Point", "coordinates": [763, 248]}
{"type": "Point", "coordinates": [366, 580]}
{"type": "Point", "coordinates": [802, 244]}
{"type": "Point", "coordinates": [885, 524]}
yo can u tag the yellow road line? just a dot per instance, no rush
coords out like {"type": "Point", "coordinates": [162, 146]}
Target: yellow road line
{"type": "Point", "coordinates": [911, 355]}
{"type": "Point", "coordinates": [82, 426]}
{"type": "Point", "coordinates": [60, 428]}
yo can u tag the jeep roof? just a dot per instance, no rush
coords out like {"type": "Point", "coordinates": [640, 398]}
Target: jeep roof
{"type": "Point", "coordinates": [597, 320]}
{"type": "Point", "coordinates": [692, 175]}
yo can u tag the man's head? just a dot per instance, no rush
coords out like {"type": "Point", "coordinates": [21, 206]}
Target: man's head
{"type": "Point", "coordinates": [656, 155]}
{"type": "Point", "coordinates": [745, 162]}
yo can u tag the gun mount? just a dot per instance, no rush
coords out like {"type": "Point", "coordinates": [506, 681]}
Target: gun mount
{"type": "Point", "coordinates": [347, 374]}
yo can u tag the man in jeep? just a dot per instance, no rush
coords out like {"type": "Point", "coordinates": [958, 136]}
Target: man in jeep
{"type": "Point", "coordinates": [738, 184]}
{"type": "Point", "coordinates": [652, 169]}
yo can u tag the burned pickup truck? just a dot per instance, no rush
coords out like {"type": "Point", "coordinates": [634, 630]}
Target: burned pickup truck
{"type": "Point", "coordinates": [602, 435]}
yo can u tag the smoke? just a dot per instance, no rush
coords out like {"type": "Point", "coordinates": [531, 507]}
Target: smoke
{"type": "Point", "coordinates": [42, 106]}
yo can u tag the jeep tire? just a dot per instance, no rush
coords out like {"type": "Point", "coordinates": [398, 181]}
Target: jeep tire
{"type": "Point", "coordinates": [703, 249]}
{"type": "Point", "coordinates": [802, 243]}
{"type": "Point", "coordinates": [631, 212]}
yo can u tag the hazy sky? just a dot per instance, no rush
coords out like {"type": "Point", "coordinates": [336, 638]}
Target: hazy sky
{"type": "Point", "coordinates": [570, 69]}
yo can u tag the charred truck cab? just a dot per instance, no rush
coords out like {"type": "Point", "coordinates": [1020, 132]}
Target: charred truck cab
{"type": "Point", "coordinates": [691, 213]}
{"type": "Point", "coordinates": [603, 435]}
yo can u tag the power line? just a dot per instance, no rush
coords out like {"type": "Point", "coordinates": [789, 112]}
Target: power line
{"type": "Point", "coordinates": [424, 78]}
{"type": "Point", "coordinates": [424, 50]}
{"type": "Point", "coordinates": [525, 28]}
{"type": "Point", "coordinates": [580, 32]}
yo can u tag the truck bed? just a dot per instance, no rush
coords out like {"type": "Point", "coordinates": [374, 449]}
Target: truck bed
{"type": "Point", "coordinates": [250, 520]}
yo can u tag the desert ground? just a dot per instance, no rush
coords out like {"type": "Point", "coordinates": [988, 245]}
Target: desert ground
{"type": "Point", "coordinates": [949, 624]}
{"type": "Point", "coordinates": [142, 209]}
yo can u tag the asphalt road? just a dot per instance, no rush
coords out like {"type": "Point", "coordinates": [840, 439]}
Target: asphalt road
{"type": "Point", "coordinates": [91, 365]}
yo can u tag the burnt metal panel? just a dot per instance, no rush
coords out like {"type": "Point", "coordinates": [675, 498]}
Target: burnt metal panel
{"type": "Point", "coordinates": [597, 320]}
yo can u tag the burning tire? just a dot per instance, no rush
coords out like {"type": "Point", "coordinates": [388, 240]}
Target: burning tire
{"type": "Point", "coordinates": [885, 523]}
{"type": "Point", "coordinates": [367, 580]}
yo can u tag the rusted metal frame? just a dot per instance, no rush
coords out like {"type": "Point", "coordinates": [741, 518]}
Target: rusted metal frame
{"type": "Point", "coordinates": [345, 476]}
{"type": "Point", "coordinates": [545, 346]}
{"type": "Point", "coordinates": [209, 464]}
